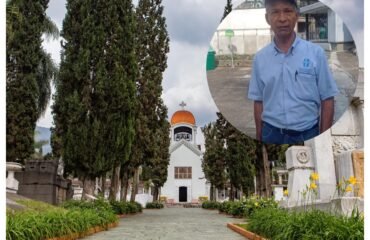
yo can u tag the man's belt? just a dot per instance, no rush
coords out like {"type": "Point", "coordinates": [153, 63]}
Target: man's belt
{"type": "Point", "coordinates": [290, 131]}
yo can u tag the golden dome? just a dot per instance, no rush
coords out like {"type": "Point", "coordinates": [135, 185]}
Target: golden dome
{"type": "Point", "coordinates": [183, 116]}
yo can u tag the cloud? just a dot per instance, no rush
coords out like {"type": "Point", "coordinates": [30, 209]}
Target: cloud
{"type": "Point", "coordinates": [185, 80]}
{"type": "Point", "coordinates": [193, 21]}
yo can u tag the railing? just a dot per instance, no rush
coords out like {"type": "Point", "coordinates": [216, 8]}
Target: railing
{"type": "Point", "coordinates": [244, 41]}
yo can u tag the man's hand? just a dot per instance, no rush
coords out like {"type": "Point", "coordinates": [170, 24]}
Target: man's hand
{"type": "Point", "coordinates": [327, 114]}
{"type": "Point", "coordinates": [258, 109]}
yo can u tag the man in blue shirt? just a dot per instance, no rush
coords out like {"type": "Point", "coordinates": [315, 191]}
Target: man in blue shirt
{"type": "Point", "coordinates": [291, 85]}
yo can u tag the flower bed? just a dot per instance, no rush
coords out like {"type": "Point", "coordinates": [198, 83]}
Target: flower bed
{"type": "Point", "coordinates": [241, 208]}
{"type": "Point", "coordinates": [74, 219]}
{"type": "Point", "coordinates": [281, 224]}
{"type": "Point", "coordinates": [55, 222]}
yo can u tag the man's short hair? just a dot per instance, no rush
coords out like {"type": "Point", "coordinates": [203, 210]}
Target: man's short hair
{"type": "Point", "coordinates": [291, 2]}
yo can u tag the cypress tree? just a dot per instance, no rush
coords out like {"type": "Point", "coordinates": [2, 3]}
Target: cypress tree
{"type": "Point", "coordinates": [157, 165]}
{"type": "Point", "coordinates": [240, 155]}
{"type": "Point", "coordinates": [152, 49]}
{"type": "Point", "coordinates": [214, 164]}
{"type": "Point", "coordinates": [228, 9]}
{"type": "Point", "coordinates": [95, 99]}
{"type": "Point", "coordinates": [26, 21]}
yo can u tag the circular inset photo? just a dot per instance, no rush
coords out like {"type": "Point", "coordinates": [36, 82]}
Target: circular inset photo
{"type": "Point", "coordinates": [282, 72]}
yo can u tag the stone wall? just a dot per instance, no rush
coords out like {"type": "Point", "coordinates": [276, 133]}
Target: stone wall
{"type": "Point", "coordinates": [40, 181]}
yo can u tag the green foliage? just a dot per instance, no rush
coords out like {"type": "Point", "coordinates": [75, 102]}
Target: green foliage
{"type": "Point", "coordinates": [239, 155]}
{"type": "Point", "coordinates": [24, 56]}
{"type": "Point", "coordinates": [211, 205]}
{"type": "Point", "coordinates": [125, 207]}
{"type": "Point", "coordinates": [43, 221]}
{"type": "Point", "coordinates": [214, 158]}
{"type": "Point", "coordinates": [95, 93]}
{"type": "Point", "coordinates": [156, 205]}
{"type": "Point", "coordinates": [99, 205]}
{"type": "Point", "coordinates": [151, 144]}
{"type": "Point", "coordinates": [281, 224]}
{"type": "Point", "coordinates": [228, 9]}
{"type": "Point", "coordinates": [246, 207]}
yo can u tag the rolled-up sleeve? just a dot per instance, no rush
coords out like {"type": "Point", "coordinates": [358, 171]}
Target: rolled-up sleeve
{"type": "Point", "coordinates": [255, 91]}
{"type": "Point", "coordinates": [326, 84]}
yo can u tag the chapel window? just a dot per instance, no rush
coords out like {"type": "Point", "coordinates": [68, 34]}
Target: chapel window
{"type": "Point", "coordinates": [183, 173]}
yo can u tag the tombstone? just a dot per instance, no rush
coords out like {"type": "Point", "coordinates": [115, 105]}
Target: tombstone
{"type": "Point", "coordinates": [300, 165]}
{"type": "Point", "coordinates": [344, 167]}
{"type": "Point", "coordinates": [323, 160]}
{"type": "Point", "coordinates": [40, 181]}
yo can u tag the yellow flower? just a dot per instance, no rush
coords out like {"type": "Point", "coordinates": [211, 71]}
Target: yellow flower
{"type": "Point", "coordinates": [256, 204]}
{"type": "Point", "coordinates": [314, 176]}
{"type": "Point", "coordinates": [286, 192]}
{"type": "Point", "coordinates": [313, 186]}
{"type": "Point", "coordinates": [352, 180]}
{"type": "Point", "coordinates": [348, 189]}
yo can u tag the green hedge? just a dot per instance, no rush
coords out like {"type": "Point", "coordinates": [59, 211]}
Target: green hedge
{"type": "Point", "coordinates": [280, 224]}
{"type": "Point", "coordinates": [100, 204]}
{"type": "Point", "coordinates": [246, 207]}
{"type": "Point", "coordinates": [126, 207]}
{"type": "Point", "coordinates": [41, 220]}
{"type": "Point", "coordinates": [48, 222]}
{"type": "Point", "coordinates": [156, 205]}
{"type": "Point", "coordinates": [210, 205]}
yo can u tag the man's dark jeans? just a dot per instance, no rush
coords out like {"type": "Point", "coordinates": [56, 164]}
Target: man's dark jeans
{"type": "Point", "coordinates": [274, 135]}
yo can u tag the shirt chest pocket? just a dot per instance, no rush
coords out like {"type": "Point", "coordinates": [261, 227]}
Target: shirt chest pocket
{"type": "Point", "coordinates": [307, 84]}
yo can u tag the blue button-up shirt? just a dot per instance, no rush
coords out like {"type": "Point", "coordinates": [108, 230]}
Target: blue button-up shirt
{"type": "Point", "coordinates": [291, 85]}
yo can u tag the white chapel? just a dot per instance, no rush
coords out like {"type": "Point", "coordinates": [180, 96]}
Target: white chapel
{"type": "Point", "coordinates": [185, 181]}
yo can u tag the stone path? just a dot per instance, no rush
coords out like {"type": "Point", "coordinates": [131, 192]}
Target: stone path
{"type": "Point", "coordinates": [174, 224]}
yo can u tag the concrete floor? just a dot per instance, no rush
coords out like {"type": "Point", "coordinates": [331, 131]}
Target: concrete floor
{"type": "Point", "coordinates": [172, 223]}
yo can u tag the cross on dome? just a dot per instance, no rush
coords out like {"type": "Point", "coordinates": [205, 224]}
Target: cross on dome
{"type": "Point", "coordinates": [182, 104]}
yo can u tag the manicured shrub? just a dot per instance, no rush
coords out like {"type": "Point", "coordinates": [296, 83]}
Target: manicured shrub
{"type": "Point", "coordinates": [246, 207]}
{"type": "Point", "coordinates": [281, 224]}
{"type": "Point", "coordinates": [119, 207]}
{"type": "Point", "coordinates": [156, 205]}
{"type": "Point", "coordinates": [138, 207]}
{"type": "Point", "coordinates": [210, 205]}
{"type": "Point", "coordinates": [225, 206]}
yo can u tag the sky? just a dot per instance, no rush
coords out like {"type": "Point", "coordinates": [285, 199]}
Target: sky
{"type": "Point", "coordinates": [190, 24]}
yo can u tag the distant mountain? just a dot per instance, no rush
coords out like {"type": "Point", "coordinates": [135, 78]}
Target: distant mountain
{"type": "Point", "coordinates": [44, 134]}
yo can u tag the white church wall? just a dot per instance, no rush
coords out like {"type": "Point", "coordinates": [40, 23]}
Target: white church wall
{"type": "Point", "coordinates": [184, 157]}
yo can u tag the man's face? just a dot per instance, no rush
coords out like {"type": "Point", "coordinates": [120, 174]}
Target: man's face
{"type": "Point", "coordinates": [282, 17]}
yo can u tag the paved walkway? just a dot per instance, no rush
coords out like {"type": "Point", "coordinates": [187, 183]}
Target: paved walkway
{"type": "Point", "coordinates": [174, 224]}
